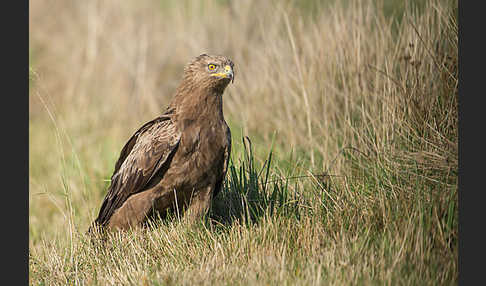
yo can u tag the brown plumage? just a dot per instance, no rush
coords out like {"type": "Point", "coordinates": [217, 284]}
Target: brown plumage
{"type": "Point", "coordinates": [179, 159]}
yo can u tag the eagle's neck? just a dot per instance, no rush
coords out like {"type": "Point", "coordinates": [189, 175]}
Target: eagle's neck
{"type": "Point", "coordinates": [194, 103]}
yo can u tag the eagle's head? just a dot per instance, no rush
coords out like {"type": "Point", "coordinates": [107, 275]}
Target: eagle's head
{"type": "Point", "coordinates": [209, 71]}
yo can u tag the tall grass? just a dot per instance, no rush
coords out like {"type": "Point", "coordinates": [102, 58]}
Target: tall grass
{"type": "Point", "coordinates": [344, 122]}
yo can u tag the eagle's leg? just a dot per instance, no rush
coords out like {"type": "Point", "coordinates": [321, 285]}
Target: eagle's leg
{"type": "Point", "coordinates": [198, 205]}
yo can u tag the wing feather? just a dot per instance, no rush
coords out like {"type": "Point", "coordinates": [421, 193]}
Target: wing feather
{"type": "Point", "coordinates": [140, 159]}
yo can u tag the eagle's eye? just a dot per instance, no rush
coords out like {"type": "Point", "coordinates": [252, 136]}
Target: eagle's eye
{"type": "Point", "coordinates": [211, 67]}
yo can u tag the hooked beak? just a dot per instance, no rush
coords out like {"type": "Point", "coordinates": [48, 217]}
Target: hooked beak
{"type": "Point", "coordinates": [228, 73]}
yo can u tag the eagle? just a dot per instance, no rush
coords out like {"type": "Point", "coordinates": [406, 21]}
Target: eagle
{"type": "Point", "coordinates": [177, 161]}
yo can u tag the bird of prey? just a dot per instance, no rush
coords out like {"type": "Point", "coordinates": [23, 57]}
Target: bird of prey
{"type": "Point", "coordinates": [178, 160]}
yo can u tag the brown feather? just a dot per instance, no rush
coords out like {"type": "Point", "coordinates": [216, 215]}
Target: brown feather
{"type": "Point", "coordinates": [182, 154]}
{"type": "Point", "coordinates": [142, 156]}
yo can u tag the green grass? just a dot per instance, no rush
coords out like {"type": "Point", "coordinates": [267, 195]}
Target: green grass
{"type": "Point", "coordinates": [344, 152]}
{"type": "Point", "coordinates": [265, 229]}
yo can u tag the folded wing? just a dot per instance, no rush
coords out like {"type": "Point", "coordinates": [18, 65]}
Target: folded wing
{"type": "Point", "coordinates": [146, 153]}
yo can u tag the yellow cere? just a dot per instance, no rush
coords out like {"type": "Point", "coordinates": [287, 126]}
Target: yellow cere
{"type": "Point", "coordinates": [223, 74]}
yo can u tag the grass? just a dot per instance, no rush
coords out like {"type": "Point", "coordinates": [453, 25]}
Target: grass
{"type": "Point", "coordinates": [344, 121]}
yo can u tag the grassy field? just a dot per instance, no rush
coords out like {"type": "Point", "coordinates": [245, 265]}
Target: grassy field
{"type": "Point", "coordinates": [345, 140]}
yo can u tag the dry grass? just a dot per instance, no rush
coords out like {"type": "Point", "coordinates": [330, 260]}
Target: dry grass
{"type": "Point", "coordinates": [358, 110]}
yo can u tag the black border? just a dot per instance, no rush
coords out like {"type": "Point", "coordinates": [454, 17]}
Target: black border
{"type": "Point", "coordinates": [470, 189]}
{"type": "Point", "coordinates": [15, 143]}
